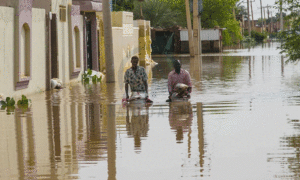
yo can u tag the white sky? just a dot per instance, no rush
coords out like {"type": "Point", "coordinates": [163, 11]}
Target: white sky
{"type": "Point", "coordinates": [256, 7]}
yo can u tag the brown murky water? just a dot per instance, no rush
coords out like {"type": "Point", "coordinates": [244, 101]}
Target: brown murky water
{"type": "Point", "coordinates": [241, 123]}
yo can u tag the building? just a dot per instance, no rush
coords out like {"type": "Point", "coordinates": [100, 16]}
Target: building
{"type": "Point", "coordinates": [46, 39]}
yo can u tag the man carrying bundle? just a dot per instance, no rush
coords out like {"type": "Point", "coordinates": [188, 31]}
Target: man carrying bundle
{"type": "Point", "coordinates": [179, 82]}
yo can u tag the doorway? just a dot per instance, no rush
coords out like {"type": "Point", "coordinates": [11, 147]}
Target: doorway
{"type": "Point", "coordinates": [89, 44]}
{"type": "Point", "coordinates": [54, 62]}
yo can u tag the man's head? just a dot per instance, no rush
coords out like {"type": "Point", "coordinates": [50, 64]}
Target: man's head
{"type": "Point", "coordinates": [134, 61]}
{"type": "Point", "coordinates": [177, 65]}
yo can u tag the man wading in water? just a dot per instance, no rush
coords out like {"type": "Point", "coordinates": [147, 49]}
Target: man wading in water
{"type": "Point", "coordinates": [176, 76]}
{"type": "Point", "coordinates": [137, 78]}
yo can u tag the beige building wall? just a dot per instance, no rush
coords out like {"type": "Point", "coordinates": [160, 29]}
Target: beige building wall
{"type": "Point", "coordinates": [125, 43]}
{"type": "Point", "coordinates": [37, 83]}
{"type": "Point", "coordinates": [63, 34]}
{"type": "Point", "coordinates": [6, 50]}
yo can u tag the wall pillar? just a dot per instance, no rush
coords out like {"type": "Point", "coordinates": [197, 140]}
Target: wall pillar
{"type": "Point", "coordinates": [148, 42]}
{"type": "Point", "coordinates": [101, 41]}
{"type": "Point", "coordinates": [142, 42]}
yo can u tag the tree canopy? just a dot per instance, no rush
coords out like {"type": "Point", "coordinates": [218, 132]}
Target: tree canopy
{"type": "Point", "coordinates": [123, 5]}
{"type": "Point", "coordinates": [220, 13]}
{"type": "Point", "coordinates": [291, 39]}
{"type": "Point", "coordinates": [161, 13]}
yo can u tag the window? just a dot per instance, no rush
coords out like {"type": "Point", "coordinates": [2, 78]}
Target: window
{"type": "Point", "coordinates": [23, 73]}
{"type": "Point", "coordinates": [25, 52]}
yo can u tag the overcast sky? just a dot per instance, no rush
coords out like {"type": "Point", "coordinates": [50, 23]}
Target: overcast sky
{"type": "Point", "coordinates": [256, 7]}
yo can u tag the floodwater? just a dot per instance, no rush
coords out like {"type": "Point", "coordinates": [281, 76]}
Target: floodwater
{"type": "Point", "coordinates": [242, 122]}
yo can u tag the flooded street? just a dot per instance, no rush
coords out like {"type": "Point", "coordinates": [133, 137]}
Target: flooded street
{"type": "Point", "coordinates": [242, 122]}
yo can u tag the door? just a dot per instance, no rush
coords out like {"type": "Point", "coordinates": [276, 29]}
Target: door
{"type": "Point", "coordinates": [54, 62]}
{"type": "Point", "coordinates": [89, 44]}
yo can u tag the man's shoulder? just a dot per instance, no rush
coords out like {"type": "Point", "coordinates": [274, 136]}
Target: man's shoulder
{"type": "Point", "coordinates": [129, 69]}
{"type": "Point", "coordinates": [172, 72]}
{"type": "Point", "coordinates": [141, 67]}
{"type": "Point", "coordinates": [185, 71]}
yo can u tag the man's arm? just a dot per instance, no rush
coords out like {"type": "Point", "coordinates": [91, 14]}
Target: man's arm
{"type": "Point", "coordinates": [146, 87]}
{"type": "Point", "coordinates": [126, 90]}
{"type": "Point", "coordinates": [126, 81]}
{"type": "Point", "coordinates": [145, 79]}
{"type": "Point", "coordinates": [170, 84]}
{"type": "Point", "coordinates": [189, 82]}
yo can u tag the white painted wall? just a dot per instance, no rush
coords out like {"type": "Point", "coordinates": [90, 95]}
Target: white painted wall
{"type": "Point", "coordinates": [206, 35]}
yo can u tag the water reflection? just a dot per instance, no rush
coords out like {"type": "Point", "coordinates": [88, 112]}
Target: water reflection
{"type": "Point", "coordinates": [180, 118]}
{"type": "Point", "coordinates": [137, 126]}
{"type": "Point", "coordinates": [25, 149]}
{"type": "Point", "coordinates": [200, 126]}
{"type": "Point", "coordinates": [73, 133]}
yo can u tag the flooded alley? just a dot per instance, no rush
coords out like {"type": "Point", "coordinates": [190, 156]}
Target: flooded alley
{"type": "Point", "coordinates": [242, 122]}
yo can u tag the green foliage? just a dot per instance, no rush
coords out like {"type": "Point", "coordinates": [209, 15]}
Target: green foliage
{"type": "Point", "coordinates": [24, 101]}
{"type": "Point", "coordinates": [123, 5]}
{"type": "Point", "coordinates": [85, 78]}
{"type": "Point", "coordinates": [89, 72]}
{"type": "Point", "coordinates": [95, 79]}
{"type": "Point", "coordinates": [232, 34]}
{"type": "Point", "coordinates": [226, 38]}
{"type": "Point", "coordinates": [259, 37]}
{"type": "Point", "coordinates": [219, 13]}
{"type": "Point", "coordinates": [161, 13]}
{"type": "Point", "coordinates": [291, 39]}
{"type": "Point", "coordinates": [231, 67]}
{"type": "Point", "coordinates": [8, 102]}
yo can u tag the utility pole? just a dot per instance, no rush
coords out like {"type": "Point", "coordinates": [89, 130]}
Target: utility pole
{"type": "Point", "coordinates": [281, 22]}
{"type": "Point", "coordinates": [195, 27]}
{"type": "Point", "coordinates": [271, 23]}
{"type": "Point", "coordinates": [243, 24]}
{"type": "Point", "coordinates": [268, 17]}
{"type": "Point", "coordinates": [189, 26]}
{"type": "Point", "coordinates": [108, 42]}
{"type": "Point", "coordinates": [252, 15]}
{"type": "Point", "coordinates": [262, 21]}
{"type": "Point", "coordinates": [265, 16]}
{"type": "Point", "coordinates": [249, 27]}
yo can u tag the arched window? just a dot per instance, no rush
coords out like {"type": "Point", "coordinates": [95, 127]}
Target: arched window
{"type": "Point", "coordinates": [25, 51]}
{"type": "Point", "coordinates": [77, 48]}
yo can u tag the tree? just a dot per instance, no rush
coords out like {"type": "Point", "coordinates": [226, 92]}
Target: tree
{"type": "Point", "coordinates": [241, 10]}
{"type": "Point", "coordinates": [219, 13]}
{"type": "Point", "coordinates": [123, 5]}
{"type": "Point", "coordinates": [291, 39]}
{"type": "Point", "coordinates": [160, 13]}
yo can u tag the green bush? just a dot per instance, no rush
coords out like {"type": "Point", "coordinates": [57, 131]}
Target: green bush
{"type": "Point", "coordinates": [246, 33]}
{"type": "Point", "coordinates": [259, 37]}
{"type": "Point", "coordinates": [24, 101]}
